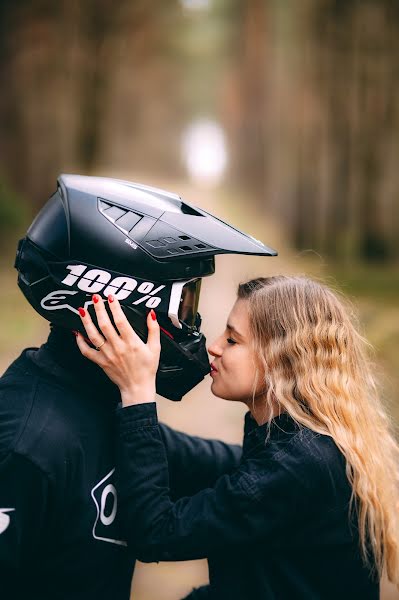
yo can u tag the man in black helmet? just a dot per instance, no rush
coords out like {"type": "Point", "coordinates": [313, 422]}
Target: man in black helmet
{"type": "Point", "coordinates": [60, 535]}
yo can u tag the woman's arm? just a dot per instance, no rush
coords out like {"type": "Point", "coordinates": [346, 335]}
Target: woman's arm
{"type": "Point", "coordinates": [239, 509]}
{"type": "Point", "coordinates": [249, 505]}
{"type": "Point", "coordinates": [195, 463]}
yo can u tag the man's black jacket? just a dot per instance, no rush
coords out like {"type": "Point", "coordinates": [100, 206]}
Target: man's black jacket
{"type": "Point", "coordinates": [277, 528]}
{"type": "Point", "coordinates": [61, 535]}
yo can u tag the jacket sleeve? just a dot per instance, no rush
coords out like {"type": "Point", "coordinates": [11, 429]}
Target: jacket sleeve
{"type": "Point", "coordinates": [202, 593]}
{"type": "Point", "coordinates": [24, 505]}
{"type": "Point", "coordinates": [240, 508]}
{"type": "Point", "coordinates": [195, 463]}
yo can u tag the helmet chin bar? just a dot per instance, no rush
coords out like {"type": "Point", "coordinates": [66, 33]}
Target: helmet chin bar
{"type": "Point", "coordinates": [182, 366]}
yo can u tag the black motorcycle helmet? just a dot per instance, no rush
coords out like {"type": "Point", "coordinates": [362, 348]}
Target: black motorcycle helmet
{"type": "Point", "coordinates": [147, 247]}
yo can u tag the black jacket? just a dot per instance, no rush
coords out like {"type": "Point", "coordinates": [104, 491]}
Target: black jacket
{"type": "Point", "coordinates": [277, 528]}
{"type": "Point", "coordinates": [61, 536]}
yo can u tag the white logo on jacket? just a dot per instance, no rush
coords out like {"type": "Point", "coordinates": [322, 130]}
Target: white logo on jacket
{"type": "Point", "coordinates": [106, 501]}
{"type": "Point", "coordinates": [4, 518]}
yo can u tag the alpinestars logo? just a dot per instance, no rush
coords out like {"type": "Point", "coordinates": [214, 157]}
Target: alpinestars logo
{"type": "Point", "coordinates": [60, 299]}
{"type": "Point", "coordinates": [4, 518]}
{"type": "Point", "coordinates": [106, 500]}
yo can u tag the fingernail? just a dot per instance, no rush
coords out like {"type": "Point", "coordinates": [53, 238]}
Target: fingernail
{"type": "Point", "coordinates": [82, 312]}
{"type": "Point", "coordinates": [75, 333]}
{"type": "Point", "coordinates": [153, 315]}
{"type": "Point", "coordinates": [95, 299]}
{"type": "Point", "coordinates": [111, 298]}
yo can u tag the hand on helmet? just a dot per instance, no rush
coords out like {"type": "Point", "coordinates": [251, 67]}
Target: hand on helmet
{"type": "Point", "coordinates": [126, 359]}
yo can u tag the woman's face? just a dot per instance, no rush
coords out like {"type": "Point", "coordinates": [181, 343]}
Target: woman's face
{"type": "Point", "coordinates": [233, 367]}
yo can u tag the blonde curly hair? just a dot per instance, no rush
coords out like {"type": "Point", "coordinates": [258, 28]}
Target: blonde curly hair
{"type": "Point", "coordinates": [315, 365]}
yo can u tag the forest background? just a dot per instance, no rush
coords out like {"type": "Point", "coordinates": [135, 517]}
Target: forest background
{"type": "Point", "coordinates": [280, 116]}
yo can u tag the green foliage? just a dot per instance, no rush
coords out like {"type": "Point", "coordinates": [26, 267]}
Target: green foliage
{"type": "Point", "coordinates": [14, 213]}
{"type": "Point", "coordinates": [363, 280]}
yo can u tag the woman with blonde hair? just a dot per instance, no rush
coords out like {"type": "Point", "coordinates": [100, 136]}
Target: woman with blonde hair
{"type": "Point", "coordinates": [311, 512]}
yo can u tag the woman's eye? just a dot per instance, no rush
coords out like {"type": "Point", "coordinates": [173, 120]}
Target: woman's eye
{"type": "Point", "coordinates": [230, 340]}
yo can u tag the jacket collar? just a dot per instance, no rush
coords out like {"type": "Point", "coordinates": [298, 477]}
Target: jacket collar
{"type": "Point", "coordinates": [256, 436]}
{"type": "Point", "coordinates": [61, 359]}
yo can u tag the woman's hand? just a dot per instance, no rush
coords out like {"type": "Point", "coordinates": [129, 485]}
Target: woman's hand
{"type": "Point", "coordinates": [126, 359]}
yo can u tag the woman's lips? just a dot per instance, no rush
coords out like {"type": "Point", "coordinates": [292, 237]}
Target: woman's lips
{"type": "Point", "coordinates": [213, 370]}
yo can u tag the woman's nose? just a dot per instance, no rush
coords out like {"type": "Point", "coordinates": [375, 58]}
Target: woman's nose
{"type": "Point", "coordinates": [214, 349]}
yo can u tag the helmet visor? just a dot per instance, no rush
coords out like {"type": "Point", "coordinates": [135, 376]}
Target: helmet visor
{"type": "Point", "coordinates": [184, 302]}
{"type": "Point", "coordinates": [188, 307]}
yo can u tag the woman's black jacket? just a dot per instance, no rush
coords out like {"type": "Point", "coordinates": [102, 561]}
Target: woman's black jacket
{"type": "Point", "coordinates": [275, 528]}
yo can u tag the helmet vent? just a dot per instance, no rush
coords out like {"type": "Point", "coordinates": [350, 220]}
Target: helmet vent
{"type": "Point", "coordinates": [156, 244]}
{"type": "Point", "coordinates": [112, 212]}
{"type": "Point", "coordinates": [124, 219]}
{"type": "Point", "coordinates": [175, 251]}
{"type": "Point", "coordinates": [166, 246]}
{"type": "Point", "coordinates": [190, 210]}
{"type": "Point", "coordinates": [128, 221]}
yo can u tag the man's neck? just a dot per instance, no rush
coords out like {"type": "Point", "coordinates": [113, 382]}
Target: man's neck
{"type": "Point", "coordinates": [61, 357]}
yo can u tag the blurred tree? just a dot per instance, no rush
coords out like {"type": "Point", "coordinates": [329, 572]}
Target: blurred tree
{"type": "Point", "coordinates": [245, 95]}
{"type": "Point", "coordinates": [144, 105]}
{"type": "Point", "coordinates": [311, 105]}
{"type": "Point", "coordinates": [88, 85]}
{"type": "Point", "coordinates": [356, 76]}
{"type": "Point", "coordinates": [10, 123]}
{"type": "Point", "coordinates": [307, 92]}
{"type": "Point", "coordinates": [14, 216]}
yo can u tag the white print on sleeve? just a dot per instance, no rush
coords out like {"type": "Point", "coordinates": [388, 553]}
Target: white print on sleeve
{"type": "Point", "coordinates": [106, 501]}
{"type": "Point", "coordinates": [4, 518]}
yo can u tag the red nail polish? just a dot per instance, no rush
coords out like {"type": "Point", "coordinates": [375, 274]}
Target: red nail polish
{"type": "Point", "coordinates": [153, 315]}
{"type": "Point", "coordinates": [111, 298]}
{"type": "Point", "coordinates": [82, 312]}
{"type": "Point", "coordinates": [95, 299]}
{"type": "Point", "coordinates": [75, 333]}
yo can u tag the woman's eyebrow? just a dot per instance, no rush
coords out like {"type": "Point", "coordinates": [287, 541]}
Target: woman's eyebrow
{"type": "Point", "coordinates": [234, 330]}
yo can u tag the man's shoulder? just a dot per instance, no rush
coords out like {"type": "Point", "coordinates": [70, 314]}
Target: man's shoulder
{"type": "Point", "coordinates": [17, 391]}
{"type": "Point", "coordinates": [31, 412]}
